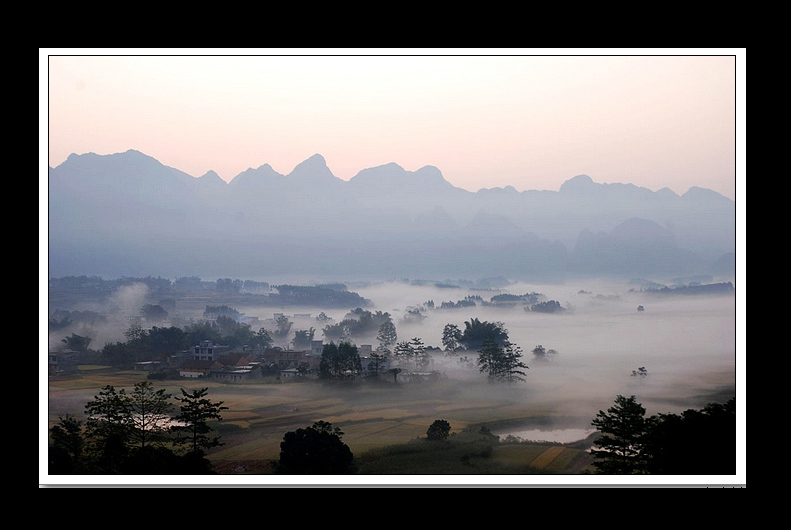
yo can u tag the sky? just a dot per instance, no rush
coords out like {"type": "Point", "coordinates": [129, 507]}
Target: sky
{"type": "Point", "coordinates": [530, 119]}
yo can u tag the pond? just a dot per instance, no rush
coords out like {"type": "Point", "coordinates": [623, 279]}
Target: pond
{"type": "Point", "coordinates": [549, 435]}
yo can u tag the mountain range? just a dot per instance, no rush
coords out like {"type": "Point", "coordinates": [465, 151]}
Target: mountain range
{"type": "Point", "coordinates": [126, 214]}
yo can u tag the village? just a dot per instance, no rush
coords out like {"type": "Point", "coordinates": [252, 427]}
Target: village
{"type": "Point", "coordinates": [212, 360]}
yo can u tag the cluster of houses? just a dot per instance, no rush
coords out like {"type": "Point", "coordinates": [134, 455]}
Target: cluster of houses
{"type": "Point", "coordinates": [210, 360]}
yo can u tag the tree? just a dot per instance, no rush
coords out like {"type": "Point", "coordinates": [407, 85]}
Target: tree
{"type": "Point", "coordinates": [476, 333]}
{"type": "Point", "coordinates": [623, 428]}
{"type": "Point", "coordinates": [283, 327]}
{"type": "Point", "coordinates": [149, 413]}
{"type": "Point", "coordinates": [67, 446]}
{"type": "Point", "coordinates": [512, 364]}
{"type": "Point", "coordinates": [316, 450]}
{"type": "Point", "coordinates": [387, 335]}
{"type": "Point", "coordinates": [154, 312]}
{"type": "Point", "coordinates": [303, 338]}
{"type": "Point", "coordinates": [403, 352]}
{"type": "Point", "coordinates": [550, 306]}
{"type": "Point", "coordinates": [451, 339]}
{"type": "Point", "coordinates": [419, 353]}
{"type": "Point", "coordinates": [77, 343]}
{"type": "Point", "coordinates": [378, 357]}
{"type": "Point", "coordinates": [502, 363]}
{"type": "Point", "coordinates": [695, 442]}
{"type": "Point", "coordinates": [438, 431]}
{"type": "Point", "coordinates": [262, 339]}
{"type": "Point", "coordinates": [195, 412]}
{"type": "Point", "coordinates": [135, 332]}
{"type": "Point", "coordinates": [339, 361]}
{"type": "Point", "coordinates": [395, 372]}
{"type": "Point", "coordinates": [542, 354]}
{"type": "Point", "coordinates": [108, 427]}
{"type": "Point", "coordinates": [162, 342]}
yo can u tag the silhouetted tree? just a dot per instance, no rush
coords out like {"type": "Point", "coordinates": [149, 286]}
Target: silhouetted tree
{"type": "Point", "coordinates": [501, 362]}
{"type": "Point", "coordinates": [476, 333]}
{"type": "Point", "coordinates": [419, 354]}
{"type": "Point", "coordinates": [149, 414]}
{"type": "Point", "coordinates": [511, 370]}
{"type": "Point", "coordinates": [316, 450]}
{"type": "Point", "coordinates": [623, 428]}
{"type": "Point", "coordinates": [338, 361]}
{"type": "Point", "coordinates": [77, 342]}
{"type": "Point", "coordinates": [451, 339]}
{"type": "Point", "coordinates": [196, 411]}
{"type": "Point", "coordinates": [403, 352]}
{"type": "Point", "coordinates": [108, 428]}
{"type": "Point", "coordinates": [387, 335]}
{"type": "Point", "coordinates": [438, 431]}
{"type": "Point", "coordinates": [68, 442]}
{"type": "Point", "coordinates": [695, 442]}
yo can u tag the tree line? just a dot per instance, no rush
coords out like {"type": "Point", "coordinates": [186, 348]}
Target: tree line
{"type": "Point", "coordinates": [498, 357]}
{"type": "Point", "coordinates": [135, 433]}
{"type": "Point", "coordinates": [695, 442]}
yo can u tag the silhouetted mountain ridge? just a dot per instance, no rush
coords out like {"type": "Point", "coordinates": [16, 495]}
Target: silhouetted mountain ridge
{"type": "Point", "coordinates": [108, 212]}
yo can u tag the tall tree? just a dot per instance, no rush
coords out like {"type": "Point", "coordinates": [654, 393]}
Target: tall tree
{"type": "Point", "coordinates": [451, 339]}
{"type": "Point", "coordinates": [196, 411]}
{"type": "Point", "coordinates": [67, 446]}
{"type": "Point", "coordinates": [403, 352]}
{"type": "Point", "coordinates": [501, 362]}
{"type": "Point", "coordinates": [387, 335]}
{"type": "Point", "coordinates": [512, 364]}
{"type": "Point", "coordinates": [623, 427]}
{"type": "Point", "coordinates": [490, 359]}
{"type": "Point", "coordinates": [419, 354]}
{"type": "Point", "coordinates": [108, 427]}
{"type": "Point", "coordinates": [149, 411]}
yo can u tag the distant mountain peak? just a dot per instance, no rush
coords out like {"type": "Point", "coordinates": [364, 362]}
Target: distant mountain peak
{"type": "Point", "coordinates": [313, 169]}
{"type": "Point", "coordinates": [395, 178]}
{"type": "Point", "coordinates": [256, 176]}
{"type": "Point", "coordinates": [577, 184]}
{"type": "Point", "coordinates": [507, 190]}
{"type": "Point", "coordinates": [211, 176]}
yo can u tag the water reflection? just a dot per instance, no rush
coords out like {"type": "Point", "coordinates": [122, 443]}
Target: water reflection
{"type": "Point", "coordinates": [554, 436]}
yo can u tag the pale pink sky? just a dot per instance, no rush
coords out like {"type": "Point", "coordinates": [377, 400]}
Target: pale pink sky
{"type": "Point", "coordinates": [519, 118]}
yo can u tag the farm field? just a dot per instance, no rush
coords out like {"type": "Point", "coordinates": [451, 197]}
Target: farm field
{"type": "Point", "coordinates": [371, 416]}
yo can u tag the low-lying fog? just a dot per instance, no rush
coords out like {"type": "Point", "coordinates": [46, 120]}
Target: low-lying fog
{"type": "Point", "coordinates": [687, 344]}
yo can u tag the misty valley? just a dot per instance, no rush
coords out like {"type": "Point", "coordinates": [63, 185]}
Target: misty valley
{"type": "Point", "coordinates": [579, 343]}
{"type": "Point", "coordinates": [393, 322]}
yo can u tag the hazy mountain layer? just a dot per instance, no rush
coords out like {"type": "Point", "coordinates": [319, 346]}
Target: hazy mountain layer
{"type": "Point", "coordinates": [128, 215]}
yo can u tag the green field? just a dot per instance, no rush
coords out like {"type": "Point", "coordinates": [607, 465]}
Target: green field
{"type": "Point", "coordinates": [376, 420]}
